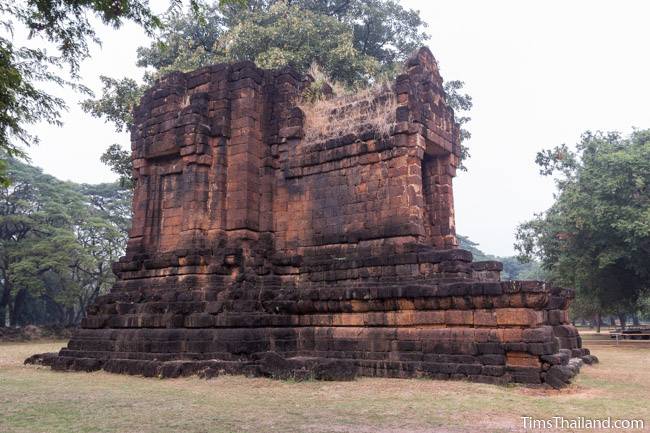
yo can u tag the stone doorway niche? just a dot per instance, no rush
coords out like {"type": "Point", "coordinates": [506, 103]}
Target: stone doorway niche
{"type": "Point", "coordinates": [438, 197]}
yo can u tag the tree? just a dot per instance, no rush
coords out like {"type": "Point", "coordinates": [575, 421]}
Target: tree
{"type": "Point", "coordinates": [119, 161]}
{"type": "Point", "coordinates": [467, 244]}
{"type": "Point", "coordinates": [116, 104]}
{"type": "Point", "coordinates": [102, 236]}
{"type": "Point", "coordinates": [354, 42]}
{"type": "Point", "coordinates": [58, 241]}
{"type": "Point", "coordinates": [66, 25]}
{"type": "Point", "coordinates": [596, 236]}
{"type": "Point", "coordinates": [351, 40]}
{"type": "Point", "coordinates": [461, 103]}
{"type": "Point", "coordinates": [513, 268]}
{"type": "Point", "coordinates": [36, 242]}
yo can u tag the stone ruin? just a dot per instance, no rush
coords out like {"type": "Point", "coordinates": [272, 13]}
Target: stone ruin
{"type": "Point", "coordinates": [310, 241]}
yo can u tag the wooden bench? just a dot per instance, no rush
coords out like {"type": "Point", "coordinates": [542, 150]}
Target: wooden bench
{"type": "Point", "coordinates": [645, 335]}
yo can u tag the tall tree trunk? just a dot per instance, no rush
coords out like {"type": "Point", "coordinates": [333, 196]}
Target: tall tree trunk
{"type": "Point", "coordinates": [70, 316]}
{"type": "Point", "coordinates": [599, 321]}
{"type": "Point", "coordinates": [5, 300]}
{"type": "Point", "coordinates": [612, 322]}
{"type": "Point", "coordinates": [635, 319]}
{"type": "Point", "coordinates": [622, 318]}
{"type": "Point", "coordinates": [17, 307]}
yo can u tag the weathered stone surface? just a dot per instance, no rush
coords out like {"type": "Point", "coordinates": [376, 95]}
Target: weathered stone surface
{"type": "Point", "coordinates": [276, 241]}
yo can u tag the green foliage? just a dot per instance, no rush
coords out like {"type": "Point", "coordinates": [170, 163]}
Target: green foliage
{"type": "Point", "coordinates": [513, 268]}
{"type": "Point", "coordinates": [596, 236]}
{"type": "Point", "coordinates": [352, 40]}
{"type": "Point", "coordinates": [184, 43]}
{"type": "Point", "coordinates": [21, 102]}
{"type": "Point", "coordinates": [58, 241]}
{"type": "Point", "coordinates": [471, 246]}
{"type": "Point", "coordinates": [322, 86]}
{"type": "Point", "coordinates": [119, 160]}
{"type": "Point", "coordinates": [117, 102]}
{"type": "Point", "coordinates": [287, 35]}
{"type": "Point", "coordinates": [354, 43]}
{"type": "Point", "coordinates": [461, 103]}
{"type": "Point", "coordinates": [65, 24]}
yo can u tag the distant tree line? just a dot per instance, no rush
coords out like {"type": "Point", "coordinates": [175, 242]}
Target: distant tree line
{"type": "Point", "coordinates": [513, 267]}
{"type": "Point", "coordinates": [58, 240]}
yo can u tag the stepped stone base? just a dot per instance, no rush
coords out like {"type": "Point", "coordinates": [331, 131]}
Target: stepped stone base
{"type": "Point", "coordinates": [490, 332]}
{"type": "Point", "coordinates": [275, 239]}
{"type": "Point", "coordinates": [270, 364]}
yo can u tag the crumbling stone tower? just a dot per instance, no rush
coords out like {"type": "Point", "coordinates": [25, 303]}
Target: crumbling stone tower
{"type": "Point", "coordinates": [317, 241]}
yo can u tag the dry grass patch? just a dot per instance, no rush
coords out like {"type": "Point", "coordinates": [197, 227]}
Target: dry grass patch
{"type": "Point", "coordinates": [36, 399]}
{"type": "Point", "coordinates": [372, 108]}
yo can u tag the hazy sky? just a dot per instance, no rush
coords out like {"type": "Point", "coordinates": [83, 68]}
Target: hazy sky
{"type": "Point", "coordinates": [540, 73]}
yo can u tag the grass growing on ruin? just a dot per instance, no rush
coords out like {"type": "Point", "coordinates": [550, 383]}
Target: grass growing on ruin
{"type": "Point", "coordinates": [34, 399]}
{"type": "Point", "coordinates": [341, 114]}
{"type": "Point", "coordinates": [373, 107]}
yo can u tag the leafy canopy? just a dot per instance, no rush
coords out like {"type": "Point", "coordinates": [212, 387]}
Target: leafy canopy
{"type": "Point", "coordinates": [57, 243]}
{"type": "Point", "coordinates": [64, 24]}
{"type": "Point", "coordinates": [513, 268]}
{"type": "Point", "coordinates": [596, 236]}
{"type": "Point", "coordinates": [354, 42]}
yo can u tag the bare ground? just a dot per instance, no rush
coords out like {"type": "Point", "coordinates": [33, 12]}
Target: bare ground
{"type": "Point", "coordinates": [35, 399]}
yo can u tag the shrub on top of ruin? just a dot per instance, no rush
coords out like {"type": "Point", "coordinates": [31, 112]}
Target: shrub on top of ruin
{"type": "Point", "coordinates": [356, 42]}
{"type": "Point", "coordinates": [322, 86]}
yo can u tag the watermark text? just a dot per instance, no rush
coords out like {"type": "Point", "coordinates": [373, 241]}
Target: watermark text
{"type": "Point", "coordinates": [581, 423]}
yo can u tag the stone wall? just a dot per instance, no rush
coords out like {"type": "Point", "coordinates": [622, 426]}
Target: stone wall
{"type": "Point", "coordinates": [277, 238]}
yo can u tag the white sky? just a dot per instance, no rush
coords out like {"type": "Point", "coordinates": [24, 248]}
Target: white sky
{"type": "Point", "coordinates": [540, 73]}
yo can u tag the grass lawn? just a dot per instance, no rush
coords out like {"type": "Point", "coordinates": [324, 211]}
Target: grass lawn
{"type": "Point", "coordinates": [35, 399]}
